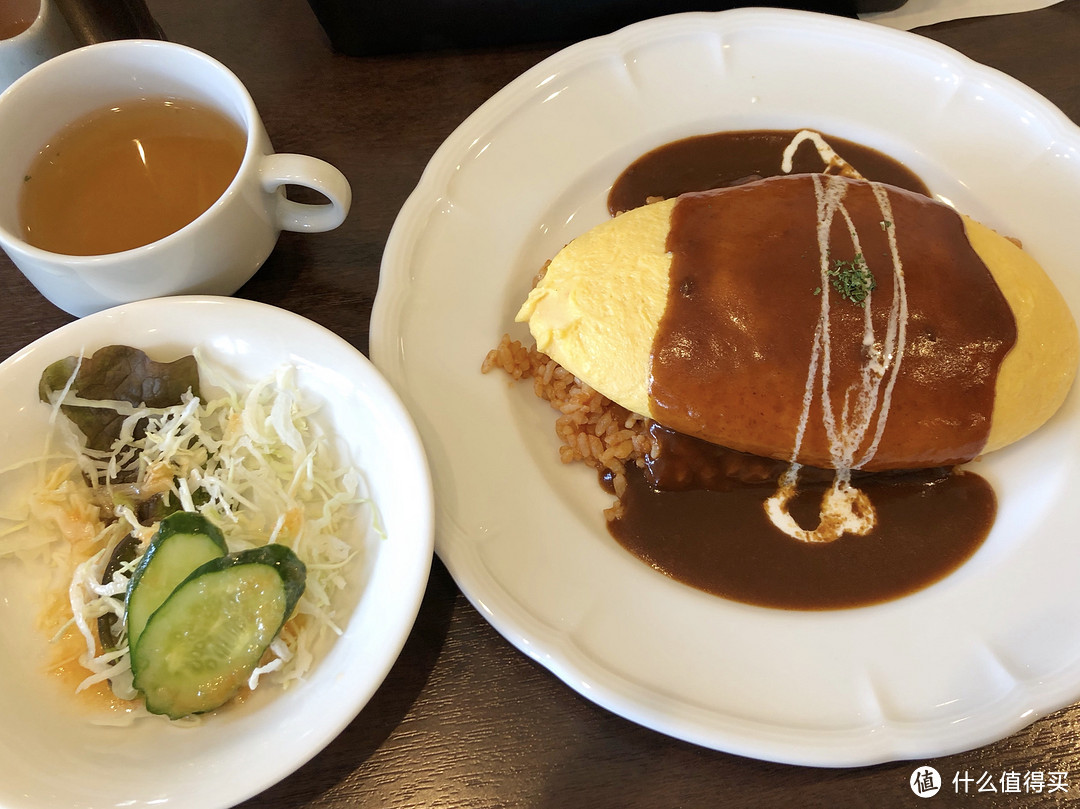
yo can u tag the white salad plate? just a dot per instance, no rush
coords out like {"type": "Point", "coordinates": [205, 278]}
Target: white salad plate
{"type": "Point", "coordinates": [960, 664]}
{"type": "Point", "coordinates": [51, 754]}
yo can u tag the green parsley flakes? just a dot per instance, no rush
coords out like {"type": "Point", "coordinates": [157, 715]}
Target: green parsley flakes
{"type": "Point", "coordinates": [852, 279]}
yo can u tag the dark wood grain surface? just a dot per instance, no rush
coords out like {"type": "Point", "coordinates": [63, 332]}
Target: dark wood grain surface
{"type": "Point", "coordinates": [463, 719]}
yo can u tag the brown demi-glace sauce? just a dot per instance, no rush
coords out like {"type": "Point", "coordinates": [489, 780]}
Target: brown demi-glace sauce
{"type": "Point", "coordinates": [731, 158]}
{"type": "Point", "coordinates": [697, 513]}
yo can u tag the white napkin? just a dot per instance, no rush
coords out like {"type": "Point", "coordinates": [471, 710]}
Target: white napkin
{"type": "Point", "coordinates": [927, 12]}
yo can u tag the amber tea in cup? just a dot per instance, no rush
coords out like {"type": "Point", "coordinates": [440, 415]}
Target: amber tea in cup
{"type": "Point", "coordinates": [179, 193]}
{"type": "Point", "coordinates": [128, 175]}
{"type": "Point", "coordinates": [16, 16]}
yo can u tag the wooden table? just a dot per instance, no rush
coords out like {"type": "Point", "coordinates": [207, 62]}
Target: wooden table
{"type": "Point", "coordinates": [463, 719]}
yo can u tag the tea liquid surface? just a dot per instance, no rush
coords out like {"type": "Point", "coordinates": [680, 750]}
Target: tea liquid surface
{"type": "Point", "coordinates": [16, 16]}
{"type": "Point", "coordinates": [128, 175]}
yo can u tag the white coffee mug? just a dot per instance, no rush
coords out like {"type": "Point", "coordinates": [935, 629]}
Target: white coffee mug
{"type": "Point", "coordinates": [214, 254]}
{"type": "Point", "coordinates": [47, 36]}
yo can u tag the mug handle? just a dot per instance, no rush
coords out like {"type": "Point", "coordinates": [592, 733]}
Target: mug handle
{"type": "Point", "coordinates": [278, 170]}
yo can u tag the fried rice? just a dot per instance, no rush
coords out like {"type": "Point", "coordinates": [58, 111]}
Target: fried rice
{"type": "Point", "coordinates": [592, 428]}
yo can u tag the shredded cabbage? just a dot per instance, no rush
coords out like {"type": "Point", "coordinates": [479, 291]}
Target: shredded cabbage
{"type": "Point", "coordinates": [254, 462]}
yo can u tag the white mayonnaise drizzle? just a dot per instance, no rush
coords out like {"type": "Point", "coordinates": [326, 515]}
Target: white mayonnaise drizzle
{"type": "Point", "coordinates": [844, 508]}
{"type": "Point", "coordinates": [834, 163]}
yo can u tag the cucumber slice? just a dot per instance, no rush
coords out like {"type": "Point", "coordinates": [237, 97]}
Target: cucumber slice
{"type": "Point", "coordinates": [201, 645]}
{"type": "Point", "coordinates": [183, 542]}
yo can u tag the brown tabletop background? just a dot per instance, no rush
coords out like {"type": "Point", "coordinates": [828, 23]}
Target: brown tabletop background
{"type": "Point", "coordinates": [464, 719]}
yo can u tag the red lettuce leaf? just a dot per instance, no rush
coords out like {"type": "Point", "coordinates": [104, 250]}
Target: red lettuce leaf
{"type": "Point", "coordinates": [118, 373]}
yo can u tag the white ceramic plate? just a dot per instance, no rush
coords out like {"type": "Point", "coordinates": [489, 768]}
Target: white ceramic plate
{"type": "Point", "coordinates": [50, 755]}
{"type": "Point", "coordinates": [958, 665]}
